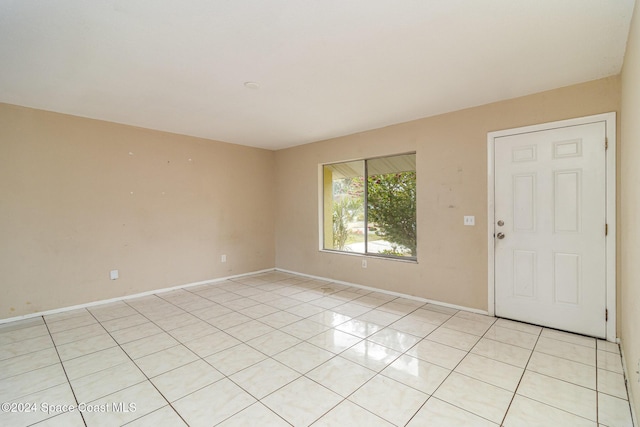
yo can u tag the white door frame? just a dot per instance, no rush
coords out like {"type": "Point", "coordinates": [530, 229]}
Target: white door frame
{"type": "Point", "coordinates": [610, 124]}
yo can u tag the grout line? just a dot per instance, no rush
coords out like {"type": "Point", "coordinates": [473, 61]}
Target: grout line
{"type": "Point", "coordinates": [65, 372]}
{"type": "Point", "coordinates": [141, 371]}
{"type": "Point", "coordinates": [524, 370]}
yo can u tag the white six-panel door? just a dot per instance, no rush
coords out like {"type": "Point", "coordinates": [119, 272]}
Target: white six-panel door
{"type": "Point", "coordinates": [550, 215]}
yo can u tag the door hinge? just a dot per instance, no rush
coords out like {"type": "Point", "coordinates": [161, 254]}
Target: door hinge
{"type": "Point", "coordinates": [606, 143]}
{"type": "Point", "coordinates": [606, 229]}
{"type": "Point", "coordinates": [606, 314]}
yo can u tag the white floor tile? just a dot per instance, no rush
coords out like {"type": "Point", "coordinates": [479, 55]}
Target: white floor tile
{"type": "Point", "coordinates": [234, 359]}
{"type": "Point", "coordinates": [125, 405]}
{"type": "Point", "coordinates": [30, 345]}
{"type": "Point", "coordinates": [86, 346]}
{"type": "Point", "coordinates": [211, 344]}
{"type": "Point", "coordinates": [302, 402]}
{"type": "Point", "coordinates": [438, 354]}
{"type": "Point", "coordinates": [359, 328]}
{"type": "Point", "coordinates": [518, 326]}
{"type": "Point", "coordinates": [414, 326]}
{"type": "Point", "coordinates": [349, 414]}
{"type": "Point", "coordinates": [502, 352]}
{"type": "Point", "coordinates": [273, 342]}
{"type": "Point", "coordinates": [491, 371]}
{"type": "Point", "coordinates": [68, 419]}
{"type": "Point", "coordinates": [478, 397]}
{"type": "Point", "coordinates": [380, 317]}
{"type": "Point", "coordinates": [352, 309]}
{"type": "Point", "coordinates": [110, 311]}
{"type": "Point", "coordinates": [334, 341]}
{"type": "Point", "coordinates": [563, 369]}
{"type": "Point", "coordinates": [17, 386]}
{"type": "Point", "coordinates": [527, 412]}
{"type": "Point", "coordinates": [568, 337]}
{"type": "Point", "coordinates": [371, 355]}
{"type": "Point", "coordinates": [566, 350]}
{"type": "Point", "coordinates": [163, 417]}
{"type": "Point", "coordinates": [416, 373]}
{"type": "Point", "coordinates": [169, 323]}
{"type": "Point", "coordinates": [149, 345]}
{"type": "Point", "coordinates": [394, 339]}
{"type": "Point", "coordinates": [258, 311]}
{"type": "Point", "coordinates": [264, 377]}
{"type": "Point", "coordinates": [124, 322]}
{"type": "Point", "coordinates": [610, 383]}
{"type": "Point", "coordinates": [28, 362]}
{"type": "Point", "coordinates": [303, 357]}
{"type": "Point", "coordinates": [19, 331]}
{"type": "Point", "coordinates": [165, 360]}
{"type": "Point", "coordinates": [280, 319]}
{"type": "Point", "coordinates": [95, 362]}
{"type": "Point", "coordinates": [452, 338]}
{"type": "Point", "coordinates": [107, 381]}
{"type": "Point", "coordinates": [560, 394]}
{"type": "Point", "coordinates": [213, 404]}
{"type": "Point", "coordinates": [613, 412]}
{"type": "Point", "coordinates": [468, 326]}
{"type": "Point", "coordinates": [440, 309]}
{"type": "Point", "coordinates": [41, 405]}
{"type": "Point", "coordinates": [341, 375]}
{"type": "Point", "coordinates": [193, 331]}
{"type": "Point", "coordinates": [397, 308]}
{"type": "Point", "coordinates": [83, 319]}
{"type": "Point", "coordinates": [210, 313]}
{"type": "Point", "coordinates": [304, 310]}
{"type": "Point", "coordinates": [255, 415]}
{"type": "Point", "coordinates": [389, 399]}
{"type": "Point", "coordinates": [65, 337]}
{"type": "Point", "coordinates": [512, 336]}
{"type": "Point", "coordinates": [609, 361]}
{"type": "Point", "coordinates": [434, 317]}
{"type": "Point", "coordinates": [186, 379]}
{"type": "Point", "coordinates": [439, 413]}
{"type": "Point", "coordinates": [304, 329]}
{"type": "Point", "coordinates": [611, 347]}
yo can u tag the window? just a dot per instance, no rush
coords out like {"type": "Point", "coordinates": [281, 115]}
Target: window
{"type": "Point", "coordinates": [373, 216]}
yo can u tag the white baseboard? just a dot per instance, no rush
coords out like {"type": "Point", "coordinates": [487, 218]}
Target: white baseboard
{"type": "Point", "coordinates": [384, 291]}
{"type": "Point", "coordinates": [126, 297]}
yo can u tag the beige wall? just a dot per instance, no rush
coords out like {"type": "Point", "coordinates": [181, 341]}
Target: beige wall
{"type": "Point", "coordinates": [630, 208]}
{"type": "Point", "coordinates": [74, 204]}
{"type": "Point", "coordinates": [452, 182]}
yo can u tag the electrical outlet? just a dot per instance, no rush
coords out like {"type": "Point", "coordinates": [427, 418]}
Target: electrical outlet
{"type": "Point", "coordinates": [364, 263]}
{"type": "Point", "coordinates": [114, 274]}
{"type": "Point", "coordinates": [469, 220]}
{"type": "Point", "coordinates": [223, 258]}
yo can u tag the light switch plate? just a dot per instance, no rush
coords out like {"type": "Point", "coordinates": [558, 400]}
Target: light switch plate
{"type": "Point", "coordinates": [114, 274]}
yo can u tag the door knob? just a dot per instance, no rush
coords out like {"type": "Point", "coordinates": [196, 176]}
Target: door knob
{"type": "Point", "coordinates": [500, 236]}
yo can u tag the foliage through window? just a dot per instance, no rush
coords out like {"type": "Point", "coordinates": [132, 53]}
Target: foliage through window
{"type": "Point", "coordinates": [370, 206]}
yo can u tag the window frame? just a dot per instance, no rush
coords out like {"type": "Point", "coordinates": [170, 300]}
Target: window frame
{"type": "Point", "coordinates": [322, 213]}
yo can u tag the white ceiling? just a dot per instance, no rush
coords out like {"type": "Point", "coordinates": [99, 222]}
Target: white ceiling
{"type": "Point", "coordinates": [325, 67]}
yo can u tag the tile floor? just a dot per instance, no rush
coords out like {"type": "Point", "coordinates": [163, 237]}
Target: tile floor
{"type": "Point", "coordinates": [276, 349]}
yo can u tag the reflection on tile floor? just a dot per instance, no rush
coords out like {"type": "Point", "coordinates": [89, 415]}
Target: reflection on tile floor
{"type": "Point", "coordinates": [275, 349]}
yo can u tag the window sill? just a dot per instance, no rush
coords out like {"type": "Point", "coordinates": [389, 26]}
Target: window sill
{"type": "Point", "coordinates": [372, 256]}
